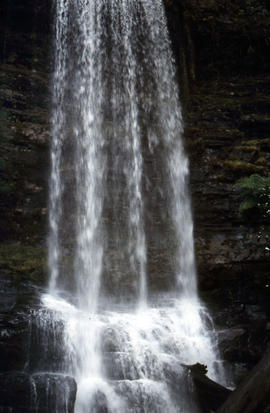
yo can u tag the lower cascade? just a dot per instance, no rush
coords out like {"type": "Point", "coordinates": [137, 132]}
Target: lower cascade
{"type": "Point", "coordinates": [122, 317]}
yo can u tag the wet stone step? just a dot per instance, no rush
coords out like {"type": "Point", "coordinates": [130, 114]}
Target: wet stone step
{"type": "Point", "coordinates": [53, 393]}
{"type": "Point", "coordinates": [46, 331]}
{"type": "Point", "coordinates": [15, 301]}
{"type": "Point", "coordinates": [109, 341]}
{"type": "Point", "coordinates": [143, 395]}
{"type": "Point", "coordinates": [120, 366]}
{"type": "Point", "coordinates": [43, 393]}
{"type": "Point", "coordinates": [153, 396]}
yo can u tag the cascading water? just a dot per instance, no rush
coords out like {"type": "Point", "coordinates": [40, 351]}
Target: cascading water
{"type": "Point", "coordinates": [115, 117]}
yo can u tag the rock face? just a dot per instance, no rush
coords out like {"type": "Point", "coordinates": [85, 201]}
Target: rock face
{"type": "Point", "coordinates": [221, 50]}
{"type": "Point", "coordinates": [24, 123]}
{"type": "Point", "coordinates": [24, 160]}
{"type": "Point", "coordinates": [225, 87]}
{"type": "Point", "coordinates": [26, 390]}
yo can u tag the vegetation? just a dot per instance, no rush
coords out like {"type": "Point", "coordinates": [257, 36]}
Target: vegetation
{"type": "Point", "coordinates": [255, 194]}
{"type": "Point", "coordinates": [23, 262]}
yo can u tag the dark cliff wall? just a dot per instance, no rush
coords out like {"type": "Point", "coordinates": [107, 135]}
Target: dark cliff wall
{"type": "Point", "coordinates": [221, 51]}
{"type": "Point", "coordinates": [24, 133]}
{"type": "Point", "coordinates": [24, 161]}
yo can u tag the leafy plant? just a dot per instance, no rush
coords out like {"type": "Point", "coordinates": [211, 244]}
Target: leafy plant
{"type": "Point", "coordinates": [254, 191]}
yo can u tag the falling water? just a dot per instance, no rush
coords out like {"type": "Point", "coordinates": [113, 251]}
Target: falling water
{"type": "Point", "coordinates": [115, 117]}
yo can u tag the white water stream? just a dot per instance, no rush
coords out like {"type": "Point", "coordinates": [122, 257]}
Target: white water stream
{"type": "Point", "coordinates": [115, 102]}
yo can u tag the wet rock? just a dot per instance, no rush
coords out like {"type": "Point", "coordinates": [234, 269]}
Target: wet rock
{"type": "Point", "coordinates": [110, 341]}
{"type": "Point", "coordinates": [211, 395]}
{"type": "Point", "coordinates": [8, 296]}
{"type": "Point", "coordinates": [46, 331]}
{"type": "Point", "coordinates": [53, 392]}
{"type": "Point", "coordinates": [16, 300]}
{"type": "Point", "coordinates": [138, 395]}
{"type": "Point", "coordinates": [252, 391]}
{"type": "Point", "coordinates": [100, 402]}
{"type": "Point", "coordinates": [15, 392]}
{"type": "Point", "coordinates": [44, 393]}
{"type": "Point", "coordinates": [155, 395]}
{"type": "Point", "coordinates": [22, 263]}
{"type": "Point", "coordinates": [232, 342]}
{"type": "Point", "coordinates": [119, 366]}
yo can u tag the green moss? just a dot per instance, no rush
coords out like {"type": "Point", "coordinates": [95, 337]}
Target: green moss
{"type": "Point", "coordinates": [236, 165]}
{"type": "Point", "coordinates": [246, 148]}
{"type": "Point", "coordinates": [261, 160]}
{"type": "Point", "coordinates": [255, 142]}
{"type": "Point", "coordinates": [23, 262]}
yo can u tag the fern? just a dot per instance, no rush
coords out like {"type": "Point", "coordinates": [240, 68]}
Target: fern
{"type": "Point", "coordinates": [247, 205]}
{"type": "Point", "coordinates": [254, 191]}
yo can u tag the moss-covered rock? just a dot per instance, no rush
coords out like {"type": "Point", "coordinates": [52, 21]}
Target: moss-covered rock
{"type": "Point", "coordinates": [23, 262]}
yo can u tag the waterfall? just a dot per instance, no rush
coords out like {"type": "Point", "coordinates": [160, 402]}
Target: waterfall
{"type": "Point", "coordinates": [118, 190]}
